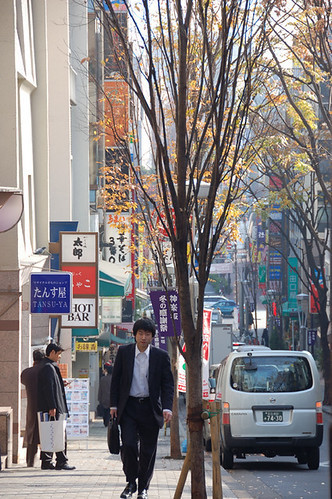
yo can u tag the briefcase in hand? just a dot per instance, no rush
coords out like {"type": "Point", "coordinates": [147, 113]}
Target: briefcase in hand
{"type": "Point", "coordinates": [113, 436]}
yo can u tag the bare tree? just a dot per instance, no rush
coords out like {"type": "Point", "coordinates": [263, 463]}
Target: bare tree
{"type": "Point", "coordinates": [294, 138]}
{"type": "Point", "coordinates": [191, 67]}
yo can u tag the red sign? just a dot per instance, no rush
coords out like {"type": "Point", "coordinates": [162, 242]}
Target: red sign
{"type": "Point", "coordinates": [314, 300]}
{"type": "Point", "coordinates": [84, 279]}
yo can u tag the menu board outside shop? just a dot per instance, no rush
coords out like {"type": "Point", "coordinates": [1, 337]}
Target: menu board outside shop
{"type": "Point", "coordinates": [77, 395]}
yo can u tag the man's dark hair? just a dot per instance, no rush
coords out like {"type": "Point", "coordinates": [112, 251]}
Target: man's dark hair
{"type": "Point", "coordinates": [146, 325]}
{"type": "Point", "coordinates": [38, 355]}
{"type": "Point", "coordinates": [53, 346]}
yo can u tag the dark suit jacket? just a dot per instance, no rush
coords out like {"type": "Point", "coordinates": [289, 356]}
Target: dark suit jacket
{"type": "Point", "coordinates": [161, 384]}
{"type": "Point", "coordinates": [51, 390]}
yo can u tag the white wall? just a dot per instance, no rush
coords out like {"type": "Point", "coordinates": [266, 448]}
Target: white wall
{"type": "Point", "coordinates": [59, 111]}
{"type": "Point", "coordinates": [79, 115]}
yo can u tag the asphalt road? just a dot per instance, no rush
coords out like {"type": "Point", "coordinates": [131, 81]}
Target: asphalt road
{"type": "Point", "coordinates": [283, 477]}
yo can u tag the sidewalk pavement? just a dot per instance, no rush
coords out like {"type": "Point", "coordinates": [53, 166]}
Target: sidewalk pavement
{"type": "Point", "coordinates": [99, 474]}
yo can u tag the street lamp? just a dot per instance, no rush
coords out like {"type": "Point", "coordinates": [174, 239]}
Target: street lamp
{"type": "Point", "coordinates": [302, 309]}
{"type": "Point", "coordinates": [11, 207]}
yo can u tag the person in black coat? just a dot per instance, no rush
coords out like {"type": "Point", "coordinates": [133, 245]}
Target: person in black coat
{"type": "Point", "coordinates": [52, 399]}
{"type": "Point", "coordinates": [104, 392]}
{"type": "Point", "coordinates": [142, 390]}
{"type": "Point", "coordinates": [29, 378]}
{"type": "Point", "coordinates": [265, 337]}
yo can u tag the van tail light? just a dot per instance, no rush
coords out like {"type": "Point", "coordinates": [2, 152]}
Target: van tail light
{"type": "Point", "coordinates": [319, 413]}
{"type": "Point", "coordinates": [225, 413]}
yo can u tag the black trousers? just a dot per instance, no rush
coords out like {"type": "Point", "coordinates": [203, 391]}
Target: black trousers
{"type": "Point", "coordinates": [139, 435]}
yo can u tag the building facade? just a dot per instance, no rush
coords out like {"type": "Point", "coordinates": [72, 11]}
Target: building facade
{"type": "Point", "coordinates": [45, 151]}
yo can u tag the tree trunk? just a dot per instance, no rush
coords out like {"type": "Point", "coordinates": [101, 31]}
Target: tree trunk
{"type": "Point", "coordinates": [195, 422]}
{"type": "Point", "coordinates": [175, 433]}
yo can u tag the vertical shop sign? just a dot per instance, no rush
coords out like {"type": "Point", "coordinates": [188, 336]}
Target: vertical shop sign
{"type": "Point", "coordinates": [292, 282]}
{"type": "Point", "coordinates": [206, 352]}
{"type": "Point", "coordinates": [167, 312]}
{"type": "Point", "coordinates": [79, 255]}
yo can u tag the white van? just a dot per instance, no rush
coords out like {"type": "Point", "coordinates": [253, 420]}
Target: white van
{"type": "Point", "coordinates": [271, 403]}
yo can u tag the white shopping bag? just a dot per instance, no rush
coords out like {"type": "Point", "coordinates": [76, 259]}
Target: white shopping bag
{"type": "Point", "coordinates": [52, 433]}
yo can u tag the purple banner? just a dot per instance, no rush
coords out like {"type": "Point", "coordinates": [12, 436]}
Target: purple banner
{"type": "Point", "coordinates": [160, 341]}
{"type": "Point", "coordinates": [165, 305]}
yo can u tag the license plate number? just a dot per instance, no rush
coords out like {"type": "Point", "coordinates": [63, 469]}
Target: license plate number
{"type": "Point", "coordinates": [272, 416]}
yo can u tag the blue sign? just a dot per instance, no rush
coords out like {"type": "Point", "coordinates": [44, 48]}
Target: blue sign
{"type": "Point", "coordinates": [312, 335]}
{"type": "Point", "coordinates": [51, 293]}
{"type": "Point", "coordinates": [275, 272]}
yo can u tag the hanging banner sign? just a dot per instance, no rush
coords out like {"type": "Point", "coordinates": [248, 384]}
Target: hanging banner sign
{"type": "Point", "coordinates": [118, 240]}
{"type": "Point", "coordinates": [206, 353]}
{"type": "Point", "coordinates": [182, 385]}
{"type": "Point", "coordinates": [166, 310]}
{"type": "Point", "coordinates": [50, 293]}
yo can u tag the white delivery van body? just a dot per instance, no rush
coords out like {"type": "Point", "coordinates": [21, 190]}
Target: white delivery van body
{"type": "Point", "coordinates": [271, 402]}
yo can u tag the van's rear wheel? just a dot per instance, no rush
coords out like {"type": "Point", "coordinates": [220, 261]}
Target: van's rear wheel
{"type": "Point", "coordinates": [313, 458]}
{"type": "Point", "coordinates": [226, 459]}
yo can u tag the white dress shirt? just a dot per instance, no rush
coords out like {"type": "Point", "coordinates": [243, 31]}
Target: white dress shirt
{"type": "Point", "coordinates": [140, 382]}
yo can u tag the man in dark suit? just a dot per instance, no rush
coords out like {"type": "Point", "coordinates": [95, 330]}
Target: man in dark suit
{"type": "Point", "coordinates": [142, 391]}
{"type": "Point", "coordinates": [52, 399]}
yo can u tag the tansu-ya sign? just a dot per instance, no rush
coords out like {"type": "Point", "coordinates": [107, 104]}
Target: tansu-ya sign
{"type": "Point", "coordinates": [50, 293]}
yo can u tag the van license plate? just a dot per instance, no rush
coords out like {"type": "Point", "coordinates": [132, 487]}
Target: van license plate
{"type": "Point", "coordinates": [272, 416]}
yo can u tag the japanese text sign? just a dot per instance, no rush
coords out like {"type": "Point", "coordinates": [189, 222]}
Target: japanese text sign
{"type": "Point", "coordinates": [79, 255]}
{"type": "Point", "coordinates": [84, 279]}
{"type": "Point", "coordinates": [78, 247]}
{"type": "Point", "coordinates": [207, 314]}
{"type": "Point", "coordinates": [50, 293]}
{"type": "Point", "coordinates": [118, 239]}
{"type": "Point", "coordinates": [87, 346]}
{"type": "Point", "coordinates": [166, 306]}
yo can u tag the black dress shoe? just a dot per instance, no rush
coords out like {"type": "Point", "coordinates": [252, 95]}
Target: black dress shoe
{"type": "Point", "coordinates": [65, 467]}
{"type": "Point", "coordinates": [143, 494]}
{"type": "Point", "coordinates": [128, 491]}
{"type": "Point", "coordinates": [47, 466]}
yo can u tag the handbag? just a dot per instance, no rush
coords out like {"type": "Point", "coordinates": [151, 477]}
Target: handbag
{"type": "Point", "coordinates": [113, 436]}
{"type": "Point", "coordinates": [51, 433]}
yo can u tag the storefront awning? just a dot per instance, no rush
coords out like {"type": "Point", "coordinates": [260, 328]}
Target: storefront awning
{"type": "Point", "coordinates": [110, 282]}
{"type": "Point", "coordinates": [109, 286]}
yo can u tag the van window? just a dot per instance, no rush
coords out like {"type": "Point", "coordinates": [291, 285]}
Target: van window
{"type": "Point", "coordinates": [270, 374]}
